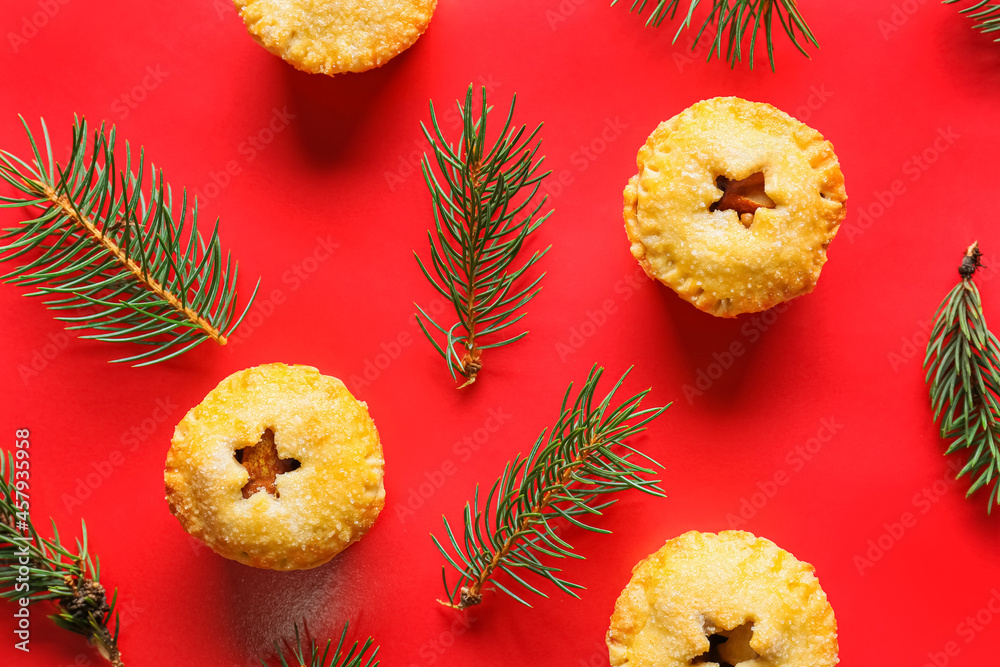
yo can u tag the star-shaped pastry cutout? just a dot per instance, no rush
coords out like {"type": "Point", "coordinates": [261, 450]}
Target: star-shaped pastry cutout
{"type": "Point", "coordinates": [263, 465]}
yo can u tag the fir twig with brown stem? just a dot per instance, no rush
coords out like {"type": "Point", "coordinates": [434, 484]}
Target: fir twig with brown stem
{"type": "Point", "coordinates": [484, 211]}
{"type": "Point", "coordinates": [963, 369]}
{"type": "Point", "coordinates": [38, 569]}
{"type": "Point", "coordinates": [304, 652]}
{"type": "Point", "coordinates": [566, 478]}
{"type": "Point", "coordinates": [108, 253]}
{"type": "Point", "coordinates": [732, 19]}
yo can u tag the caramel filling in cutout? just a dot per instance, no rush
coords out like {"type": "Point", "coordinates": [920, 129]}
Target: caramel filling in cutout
{"type": "Point", "coordinates": [263, 465]}
{"type": "Point", "coordinates": [744, 197]}
{"type": "Point", "coordinates": [729, 648]}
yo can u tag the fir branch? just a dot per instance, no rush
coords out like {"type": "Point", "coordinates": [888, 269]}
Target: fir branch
{"type": "Point", "coordinates": [108, 254]}
{"type": "Point", "coordinates": [963, 369]}
{"type": "Point", "coordinates": [482, 219]}
{"type": "Point", "coordinates": [298, 654]}
{"type": "Point", "coordinates": [41, 569]}
{"type": "Point", "coordinates": [731, 19]}
{"type": "Point", "coordinates": [985, 13]}
{"type": "Point", "coordinates": [565, 479]}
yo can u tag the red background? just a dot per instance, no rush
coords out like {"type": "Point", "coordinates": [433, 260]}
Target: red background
{"type": "Point", "coordinates": [850, 352]}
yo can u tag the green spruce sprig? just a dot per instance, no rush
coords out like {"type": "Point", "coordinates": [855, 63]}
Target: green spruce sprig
{"type": "Point", "coordinates": [41, 569]}
{"type": "Point", "coordinates": [484, 211]}
{"type": "Point", "coordinates": [304, 653]}
{"type": "Point", "coordinates": [985, 13]}
{"type": "Point", "coordinates": [108, 253]}
{"type": "Point", "coordinates": [732, 20]}
{"type": "Point", "coordinates": [566, 479]}
{"type": "Point", "coordinates": [963, 369]}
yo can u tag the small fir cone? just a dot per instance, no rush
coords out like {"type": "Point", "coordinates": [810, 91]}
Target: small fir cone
{"type": "Point", "coordinates": [971, 262]}
{"type": "Point", "coordinates": [469, 598]}
{"type": "Point", "coordinates": [89, 597]}
{"type": "Point", "coordinates": [471, 365]}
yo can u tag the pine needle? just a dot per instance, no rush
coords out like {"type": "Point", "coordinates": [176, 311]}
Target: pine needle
{"type": "Point", "coordinates": [308, 654]}
{"type": "Point", "coordinates": [985, 13]}
{"type": "Point", "coordinates": [563, 482]}
{"type": "Point", "coordinates": [108, 254]}
{"type": "Point", "coordinates": [731, 20]}
{"type": "Point", "coordinates": [963, 369]}
{"type": "Point", "coordinates": [483, 214]}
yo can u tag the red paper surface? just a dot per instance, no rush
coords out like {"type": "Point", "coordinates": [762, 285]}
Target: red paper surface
{"type": "Point", "coordinates": [829, 393]}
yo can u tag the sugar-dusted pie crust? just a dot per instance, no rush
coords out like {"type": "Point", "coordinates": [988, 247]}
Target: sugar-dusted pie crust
{"type": "Point", "coordinates": [318, 509]}
{"type": "Point", "coordinates": [701, 584]}
{"type": "Point", "coordinates": [332, 36]}
{"type": "Point", "coordinates": [709, 257]}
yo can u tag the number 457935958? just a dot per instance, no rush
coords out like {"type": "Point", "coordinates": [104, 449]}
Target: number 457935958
{"type": "Point", "coordinates": [21, 472]}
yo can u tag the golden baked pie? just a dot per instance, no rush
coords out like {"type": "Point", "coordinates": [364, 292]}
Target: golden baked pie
{"type": "Point", "coordinates": [332, 36]}
{"type": "Point", "coordinates": [279, 467]}
{"type": "Point", "coordinates": [729, 598]}
{"type": "Point", "coordinates": [734, 205]}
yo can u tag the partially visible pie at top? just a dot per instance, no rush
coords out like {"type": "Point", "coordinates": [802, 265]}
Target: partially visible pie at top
{"type": "Point", "coordinates": [333, 36]}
